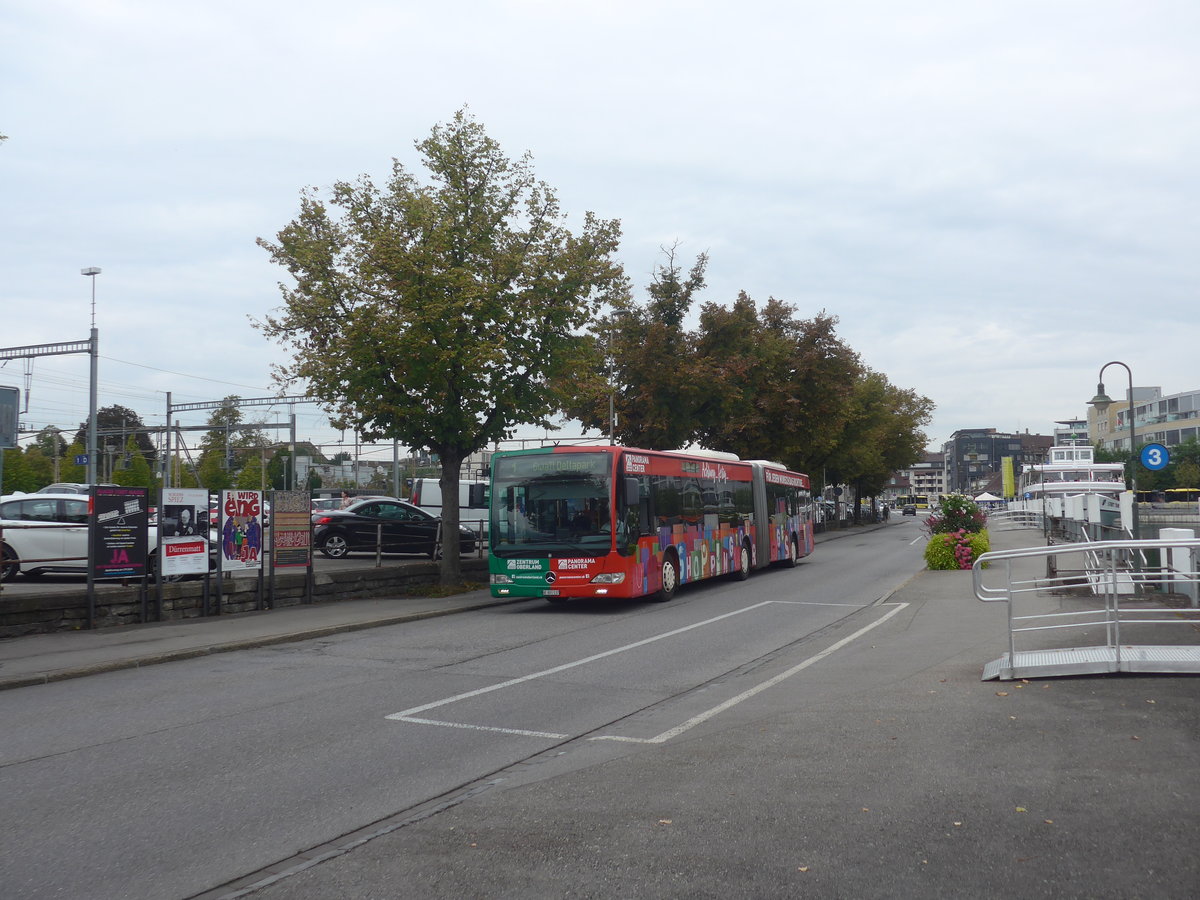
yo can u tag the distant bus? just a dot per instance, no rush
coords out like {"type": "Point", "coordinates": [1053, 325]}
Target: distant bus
{"type": "Point", "coordinates": [613, 521]}
{"type": "Point", "coordinates": [920, 501]}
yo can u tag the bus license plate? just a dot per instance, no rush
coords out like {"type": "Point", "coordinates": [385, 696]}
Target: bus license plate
{"type": "Point", "coordinates": [550, 592]}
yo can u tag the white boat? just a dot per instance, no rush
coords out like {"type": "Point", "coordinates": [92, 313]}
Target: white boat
{"type": "Point", "coordinates": [1072, 469]}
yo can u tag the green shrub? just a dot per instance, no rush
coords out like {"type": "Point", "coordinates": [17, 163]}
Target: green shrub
{"type": "Point", "coordinates": [956, 550]}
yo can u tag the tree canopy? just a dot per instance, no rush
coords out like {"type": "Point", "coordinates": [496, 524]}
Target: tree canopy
{"type": "Point", "coordinates": [114, 425]}
{"type": "Point", "coordinates": [758, 382]}
{"type": "Point", "coordinates": [440, 314]}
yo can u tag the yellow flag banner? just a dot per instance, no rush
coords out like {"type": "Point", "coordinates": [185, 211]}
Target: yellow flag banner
{"type": "Point", "coordinates": [1008, 480]}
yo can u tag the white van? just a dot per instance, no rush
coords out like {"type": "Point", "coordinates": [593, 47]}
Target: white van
{"type": "Point", "coordinates": [472, 501]}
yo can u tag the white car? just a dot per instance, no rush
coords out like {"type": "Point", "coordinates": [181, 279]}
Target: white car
{"type": "Point", "coordinates": [36, 551]}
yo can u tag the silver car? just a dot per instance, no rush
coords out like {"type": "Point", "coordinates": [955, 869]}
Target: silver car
{"type": "Point", "coordinates": [58, 542]}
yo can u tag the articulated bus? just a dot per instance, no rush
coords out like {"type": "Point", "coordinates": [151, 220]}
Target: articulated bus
{"type": "Point", "coordinates": [613, 521]}
{"type": "Point", "coordinates": [920, 501]}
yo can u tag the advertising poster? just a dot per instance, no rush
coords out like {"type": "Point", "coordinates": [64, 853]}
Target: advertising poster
{"type": "Point", "coordinates": [240, 525]}
{"type": "Point", "coordinates": [182, 517]}
{"type": "Point", "coordinates": [120, 519]}
{"type": "Point", "coordinates": [291, 528]}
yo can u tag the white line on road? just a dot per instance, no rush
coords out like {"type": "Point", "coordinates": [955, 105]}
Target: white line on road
{"type": "Point", "coordinates": [571, 665]}
{"type": "Point", "coordinates": [409, 715]}
{"type": "Point", "coordinates": [520, 731]}
{"type": "Point", "coordinates": [746, 695]}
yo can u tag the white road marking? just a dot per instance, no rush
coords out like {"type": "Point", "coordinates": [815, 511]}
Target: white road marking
{"type": "Point", "coordinates": [409, 715]}
{"type": "Point", "coordinates": [746, 695]}
{"type": "Point", "coordinates": [571, 665]}
{"type": "Point", "coordinates": [520, 731]}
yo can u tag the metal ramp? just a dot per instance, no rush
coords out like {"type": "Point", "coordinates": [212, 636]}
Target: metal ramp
{"type": "Point", "coordinates": [1051, 594]}
{"type": "Point", "coordinates": [1094, 661]}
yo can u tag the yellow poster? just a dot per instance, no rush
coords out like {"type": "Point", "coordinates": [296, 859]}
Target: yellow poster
{"type": "Point", "coordinates": [1009, 482]}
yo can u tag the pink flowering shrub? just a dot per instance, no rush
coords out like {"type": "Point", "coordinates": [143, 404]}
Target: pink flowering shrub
{"type": "Point", "coordinates": [956, 549]}
{"type": "Point", "coordinates": [958, 513]}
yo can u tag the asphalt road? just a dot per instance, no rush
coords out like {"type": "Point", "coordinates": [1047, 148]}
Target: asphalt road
{"type": "Point", "coordinates": [812, 732]}
{"type": "Point", "coordinates": [167, 783]}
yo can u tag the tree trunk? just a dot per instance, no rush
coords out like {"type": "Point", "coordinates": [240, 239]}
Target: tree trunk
{"type": "Point", "coordinates": [451, 562]}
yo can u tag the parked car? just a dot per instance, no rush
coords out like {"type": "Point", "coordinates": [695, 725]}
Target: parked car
{"type": "Point", "coordinates": [71, 487]}
{"type": "Point", "coordinates": [400, 526]}
{"type": "Point", "coordinates": [33, 552]}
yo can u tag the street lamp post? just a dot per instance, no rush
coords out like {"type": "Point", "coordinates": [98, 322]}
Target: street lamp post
{"type": "Point", "coordinates": [94, 353]}
{"type": "Point", "coordinates": [1101, 402]}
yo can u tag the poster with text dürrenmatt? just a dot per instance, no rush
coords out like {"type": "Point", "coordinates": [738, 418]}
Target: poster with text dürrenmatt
{"type": "Point", "coordinates": [184, 537]}
{"type": "Point", "coordinates": [240, 524]}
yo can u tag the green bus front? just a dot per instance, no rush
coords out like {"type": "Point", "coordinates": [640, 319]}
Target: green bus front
{"type": "Point", "coordinates": [552, 527]}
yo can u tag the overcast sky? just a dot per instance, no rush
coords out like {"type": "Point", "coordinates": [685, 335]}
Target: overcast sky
{"type": "Point", "coordinates": [994, 198]}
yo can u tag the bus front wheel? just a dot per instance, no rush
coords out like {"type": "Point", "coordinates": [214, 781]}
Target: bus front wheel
{"type": "Point", "coordinates": [670, 578]}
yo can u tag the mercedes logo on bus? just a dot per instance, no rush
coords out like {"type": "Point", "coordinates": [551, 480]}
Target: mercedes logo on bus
{"type": "Point", "coordinates": [551, 578]}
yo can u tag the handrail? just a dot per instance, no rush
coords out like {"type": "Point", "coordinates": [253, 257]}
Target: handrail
{"type": "Point", "coordinates": [1108, 569]}
{"type": "Point", "coordinates": [993, 595]}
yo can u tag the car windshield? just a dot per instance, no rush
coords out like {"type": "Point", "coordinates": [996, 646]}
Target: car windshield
{"type": "Point", "coordinates": [551, 505]}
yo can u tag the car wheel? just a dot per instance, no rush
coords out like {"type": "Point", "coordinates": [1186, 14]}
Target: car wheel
{"type": "Point", "coordinates": [334, 546]}
{"type": "Point", "coordinates": [12, 564]}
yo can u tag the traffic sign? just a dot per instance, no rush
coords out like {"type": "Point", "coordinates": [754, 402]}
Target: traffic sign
{"type": "Point", "coordinates": [81, 459]}
{"type": "Point", "coordinates": [1155, 457]}
{"type": "Point", "coordinates": [10, 402]}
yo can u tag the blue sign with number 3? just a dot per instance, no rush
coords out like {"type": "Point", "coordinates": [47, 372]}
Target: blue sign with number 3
{"type": "Point", "coordinates": [1155, 457]}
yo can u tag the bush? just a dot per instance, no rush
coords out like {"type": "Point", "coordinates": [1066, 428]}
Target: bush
{"type": "Point", "coordinates": [956, 550]}
{"type": "Point", "coordinates": [958, 513]}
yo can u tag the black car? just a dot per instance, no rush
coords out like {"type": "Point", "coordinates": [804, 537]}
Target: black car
{"type": "Point", "coordinates": [396, 526]}
{"type": "Point", "coordinates": [909, 510]}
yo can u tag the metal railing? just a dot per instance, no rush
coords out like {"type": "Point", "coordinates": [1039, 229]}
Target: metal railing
{"type": "Point", "coordinates": [1154, 598]}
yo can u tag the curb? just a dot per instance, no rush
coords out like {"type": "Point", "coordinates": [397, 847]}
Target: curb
{"type": "Point", "coordinates": [155, 659]}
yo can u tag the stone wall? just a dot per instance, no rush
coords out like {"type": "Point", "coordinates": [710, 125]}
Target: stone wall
{"type": "Point", "coordinates": [67, 609]}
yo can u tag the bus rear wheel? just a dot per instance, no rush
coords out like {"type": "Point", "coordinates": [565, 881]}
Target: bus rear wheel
{"type": "Point", "coordinates": [670, 578]}
{"type": "Point", "coordinates": [792, 554]}
{"type": "Point", "coordinates": [742, 572]}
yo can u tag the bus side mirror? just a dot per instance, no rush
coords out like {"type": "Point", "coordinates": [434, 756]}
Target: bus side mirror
{"type": "Point", "coordinates": [632, 492]}
{"type": "Point", "coordinates": [477, 496]}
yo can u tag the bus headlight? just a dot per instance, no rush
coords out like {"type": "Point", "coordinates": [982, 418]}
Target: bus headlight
{"type": "Point", "coordinates": [502, 579]}
{"type": "Point", "coordinates": [609, 578]}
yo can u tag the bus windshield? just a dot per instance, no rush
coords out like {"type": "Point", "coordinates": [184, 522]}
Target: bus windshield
{"type": "Point", "coordinates": [549, 504]}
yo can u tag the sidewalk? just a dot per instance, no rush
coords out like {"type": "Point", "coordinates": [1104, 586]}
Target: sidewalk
{"type": "Point", "coordinates": [42, 658]}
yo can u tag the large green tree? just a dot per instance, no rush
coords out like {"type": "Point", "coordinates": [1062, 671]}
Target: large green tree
{"type": "Point", "coordinates": [782, 385]}
{"type": "Point", "coordinates": [440, 314]}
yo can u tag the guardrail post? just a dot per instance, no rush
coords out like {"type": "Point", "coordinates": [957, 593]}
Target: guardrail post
{"type": "Point", "coordinates": [1181, 563]}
